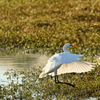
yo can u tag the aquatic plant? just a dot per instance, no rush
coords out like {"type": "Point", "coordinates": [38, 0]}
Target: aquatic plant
{"type": "Point", "coordinates": [24, 84]}
{"type": "Point", "coordinates": [49, 24]}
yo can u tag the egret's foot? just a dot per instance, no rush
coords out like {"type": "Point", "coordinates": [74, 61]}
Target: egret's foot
{"type": "Point", "coordinates": [65, 83]}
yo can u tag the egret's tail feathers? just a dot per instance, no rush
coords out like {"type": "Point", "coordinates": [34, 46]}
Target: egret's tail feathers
{"type": "Point", "coordinates": [42, 75]}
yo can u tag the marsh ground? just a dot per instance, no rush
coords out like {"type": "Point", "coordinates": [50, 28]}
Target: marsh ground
{"type": "Point", "coordinates": [44, 26]}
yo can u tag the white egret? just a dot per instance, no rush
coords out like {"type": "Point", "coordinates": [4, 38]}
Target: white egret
{"type": "Point", "coordinates": [65, 62]}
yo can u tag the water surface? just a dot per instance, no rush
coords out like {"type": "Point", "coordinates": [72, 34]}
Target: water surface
{"type": "Point", "coordinates": [19, 61]}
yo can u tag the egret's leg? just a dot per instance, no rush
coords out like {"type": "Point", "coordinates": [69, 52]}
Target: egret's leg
{"type": "Point", "coordinates": [56, 79]}
{"type": "Point", "coordinates": [56, 76]}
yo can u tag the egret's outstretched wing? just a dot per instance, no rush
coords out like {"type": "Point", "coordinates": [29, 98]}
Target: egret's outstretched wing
{"type": "Point", "coordinates": [75, 67]}
{"type": "Point", "coordinates": [58, 59]}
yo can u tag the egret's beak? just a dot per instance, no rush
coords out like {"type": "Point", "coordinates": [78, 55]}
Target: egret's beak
{"type": "Point", "coordinates": [75, 46]}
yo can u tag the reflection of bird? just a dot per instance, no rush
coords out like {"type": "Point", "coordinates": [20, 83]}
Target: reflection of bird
{"type": "Point", "coordinates": [65, 62]}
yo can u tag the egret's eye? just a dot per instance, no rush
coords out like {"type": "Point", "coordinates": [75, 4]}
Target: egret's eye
{"type": "Point", "coordinates": [70, 44]}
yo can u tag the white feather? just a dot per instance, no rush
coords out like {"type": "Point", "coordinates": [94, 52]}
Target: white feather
{"type": "Point", "coordinates": [58, 59]}
{"type": "Point", "coordinates": [65, 62]}
{"type": "Point", "coordinates": [75, 67]}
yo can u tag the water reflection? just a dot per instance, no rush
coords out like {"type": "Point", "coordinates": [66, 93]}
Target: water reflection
{"type": "Point", "coordinates": [19, 61]}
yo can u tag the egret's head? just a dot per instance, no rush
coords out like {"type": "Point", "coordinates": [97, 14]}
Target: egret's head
{"type": "Point", "coordinates": [68, 45]}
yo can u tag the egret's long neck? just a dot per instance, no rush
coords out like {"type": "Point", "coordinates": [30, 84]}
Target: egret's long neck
{"type": "Point", "coordinates": [64, 48]}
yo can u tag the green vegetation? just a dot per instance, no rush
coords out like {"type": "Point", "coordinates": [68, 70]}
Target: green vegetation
{"type": "Point", "coordinates": [49, 24]}
{"type": "Point", "coordinates": [46, 25]}
{"type": "Point", "coordinates": [32, 88]}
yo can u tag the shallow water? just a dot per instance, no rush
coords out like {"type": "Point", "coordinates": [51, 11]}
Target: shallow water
{"type": "Point", "coordinates": [19, 61]}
